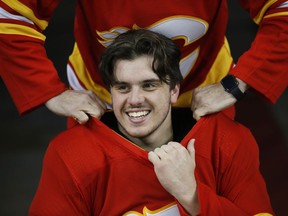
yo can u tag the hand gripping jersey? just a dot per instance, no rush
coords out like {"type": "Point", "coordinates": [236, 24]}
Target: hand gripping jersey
{"type": "Point", "coordinates": [198, 27]}
{"type": "Point", "coordinates": [92, 170]}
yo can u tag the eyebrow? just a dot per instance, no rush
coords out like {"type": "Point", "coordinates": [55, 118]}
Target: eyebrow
{"type": "Point", "coordinates": [152, 80]}
{"type": "Point", "coordinates": [144, 81]}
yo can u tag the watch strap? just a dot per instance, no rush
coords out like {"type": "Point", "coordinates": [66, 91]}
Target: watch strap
{"type": "Point", "coordinates": [237, 93]}
{"type": "Point", "coordinates": [230, 84]}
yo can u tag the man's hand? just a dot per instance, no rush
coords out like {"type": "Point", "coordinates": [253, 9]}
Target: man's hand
{"type": "Point", "coordinates": [210, 99]}
{"type": "Point", "coordinates": [174, 166]}
{"type": "Point", "coordinates": [213, 98]}
{"type": "Point", "coordinates": [77, 104]}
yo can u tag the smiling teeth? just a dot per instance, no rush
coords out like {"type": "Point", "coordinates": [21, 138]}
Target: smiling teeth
{"type": "Point", "coordinates": [138, 114]}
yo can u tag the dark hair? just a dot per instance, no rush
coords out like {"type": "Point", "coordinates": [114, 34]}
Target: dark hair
{"type": "Point", "coordinates": [135, 43]}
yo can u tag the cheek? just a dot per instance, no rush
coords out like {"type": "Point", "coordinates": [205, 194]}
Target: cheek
{"type": "Point", "coordinates": [117, 101]}
{"type": "Point", "coordinates": [116, 107]}
{"type": "Point", "coordinates": [162, 100]}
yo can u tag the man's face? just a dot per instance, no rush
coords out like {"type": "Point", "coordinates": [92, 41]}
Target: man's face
{"type": "Point", "coordinates": [141, 102]}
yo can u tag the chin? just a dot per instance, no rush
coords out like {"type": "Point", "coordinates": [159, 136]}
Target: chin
{"type": "Point", "coordinates": [136, 133]}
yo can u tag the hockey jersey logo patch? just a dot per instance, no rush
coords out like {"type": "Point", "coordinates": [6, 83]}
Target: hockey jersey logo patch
{"type": "Point", "coordinates": [169, 210]}
{"type": "Point", "coordinates": [190, 29]}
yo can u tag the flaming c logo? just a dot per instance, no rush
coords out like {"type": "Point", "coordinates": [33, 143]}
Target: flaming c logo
{"type": "Point", "coordinates": [169, 210]}
{"type": "Point", "coordinates": [188, 28]}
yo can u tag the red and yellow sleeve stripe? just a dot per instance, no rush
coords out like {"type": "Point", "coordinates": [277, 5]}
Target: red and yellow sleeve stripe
{"type": "Point", "coordinates": [268, 10]}
{"type": "Point", "coordinates": [20, 20]}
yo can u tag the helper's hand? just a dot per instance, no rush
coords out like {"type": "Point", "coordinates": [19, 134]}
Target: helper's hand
{"type": "Point", "coordinates": [174, 166]}
{"type": "Point", "coordinates": [77, 104]}
{"type": "Point", "coordinates": [213, 98]}
{"type": "Point", "coordinates": [210, 99]}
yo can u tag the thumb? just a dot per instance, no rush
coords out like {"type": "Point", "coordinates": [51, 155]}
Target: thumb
{"type": "Point", "coordinates": [199, 112]}
{"type": "Point", "coordinates": [81, 117]}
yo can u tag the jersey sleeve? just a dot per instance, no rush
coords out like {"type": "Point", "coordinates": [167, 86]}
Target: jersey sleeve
{"type": "Point", "coordinates": [29, 75]}
{"type": "Point", "coordinates": [264, 65]}
{"type": "Point", "coordinates": [58, 191]}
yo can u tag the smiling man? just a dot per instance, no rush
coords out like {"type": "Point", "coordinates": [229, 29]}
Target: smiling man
{"type": "Point", "coordinates": [140, 159]}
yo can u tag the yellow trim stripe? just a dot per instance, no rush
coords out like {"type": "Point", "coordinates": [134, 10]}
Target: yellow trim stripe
{"type": "Point", "coordinates": [285, 13]}
{"type": "Point", "coordinates": [260, 15]}
{"type": "Point", "coordinates": [83, 75]}
{"type": "Point", "coordinates": [27, 12]}
{"type": "Point", "coordinates": [221, 65]}
{"type": "Point", "coordinates": [263, 214]}
{"type": "Point", "coordinates": [20, 30]}
{"type": "Point", "coordinates": [219, 69]}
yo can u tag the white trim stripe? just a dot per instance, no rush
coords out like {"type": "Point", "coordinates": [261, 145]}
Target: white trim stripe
{"type": "Point", "coordinates": [73, 80]}
{"type": "Point", "coordinates": [6, 15]}
{"type": "Point", "coordinates": [75, 85]}
{"type": "Point", "coordinates": [283, 5]}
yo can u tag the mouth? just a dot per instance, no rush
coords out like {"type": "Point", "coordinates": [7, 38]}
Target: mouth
{"type": "Point", "coordinates": [138, 114]}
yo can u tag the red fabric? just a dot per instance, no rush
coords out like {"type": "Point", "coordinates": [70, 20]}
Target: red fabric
{"type": "Point", "coordinates": [27, 72]}
{"type": "Point", "coordinates": [91, 170]}
{"type": "Point", "coordinates": [263, 67]}
{"type": "Point", "coordinates": [158, 20]}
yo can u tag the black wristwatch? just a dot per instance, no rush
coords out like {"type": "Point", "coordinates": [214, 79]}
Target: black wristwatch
{"type": "Point", "coordinates": [230, 85]}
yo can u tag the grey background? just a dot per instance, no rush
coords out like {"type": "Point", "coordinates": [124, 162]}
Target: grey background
{"type": "Point", "coordinates": [23, 139]}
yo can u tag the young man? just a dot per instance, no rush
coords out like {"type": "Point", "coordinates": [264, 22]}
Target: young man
{"type": "Point", "coordinates": [140, 160]}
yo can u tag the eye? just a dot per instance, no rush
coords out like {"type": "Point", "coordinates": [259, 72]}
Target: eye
{"type": "Point", "coordinates": [122, 88]}
{"type": "Point", "coordinates": [150, 86]}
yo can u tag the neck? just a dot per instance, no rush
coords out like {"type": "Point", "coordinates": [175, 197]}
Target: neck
{"type": "Point", "coordinates": [161, 136]}
{"type": "Point", "coordinates": [153, 141]}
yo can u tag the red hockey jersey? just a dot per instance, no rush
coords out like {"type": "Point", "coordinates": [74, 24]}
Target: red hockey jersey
{"type": "Point", "coordinates": [92, 170]}
{"type": "Point", "coordinates": [197, 26]}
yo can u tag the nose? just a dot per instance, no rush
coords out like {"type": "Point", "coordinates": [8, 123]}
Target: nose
{"type": "Point", "coordinates": [136, 97]}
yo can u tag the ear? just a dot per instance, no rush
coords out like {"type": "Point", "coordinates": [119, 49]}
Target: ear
{"type": "Point", "coordinates": [111, 97]}
{"type": "Point", "coordinates": [175, 93]}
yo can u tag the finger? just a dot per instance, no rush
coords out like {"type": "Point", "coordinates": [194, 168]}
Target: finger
{"type": "Point", "coordinates": [94, 106]}
{"type": "Point", "coordinates": [160, 153]}
{"type": "Point", "coordinates": [153, 158]}
{"type": "Point", "coordinates": [196, 91]}
{"type": "Point", "coordinates": [198, 114]}
{"type": "Point", "coordinates": [167, 148]}
{"type": "Point", "coordinates": [96, 101]}
{"type": "Point", "coordinates": [191, 148]}
{"type": "Point", "coordinates": [193, 105]}
{"type": "Point", "coordinates": [100, 103]}
{"type": "Point", "coordinates": [175, 145]}
{"type": "Point", "coordinates": [178, 148]}
{"type": "Point", "coordinates": [95, 111]}
{"type": "Point", "coordinates": [81, 117]}
{"type": "Point", "coordinates": [196, 117]}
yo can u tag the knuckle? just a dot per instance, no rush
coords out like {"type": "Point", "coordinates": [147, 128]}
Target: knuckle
{"type": "Point", "coordinates": [90, 93]}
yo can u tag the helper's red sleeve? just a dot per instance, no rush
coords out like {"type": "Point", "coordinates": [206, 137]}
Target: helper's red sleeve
{"type": "Point", "coordinates": [264, 66]}
{"type": "Point", "coordinates": [29, 75]}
